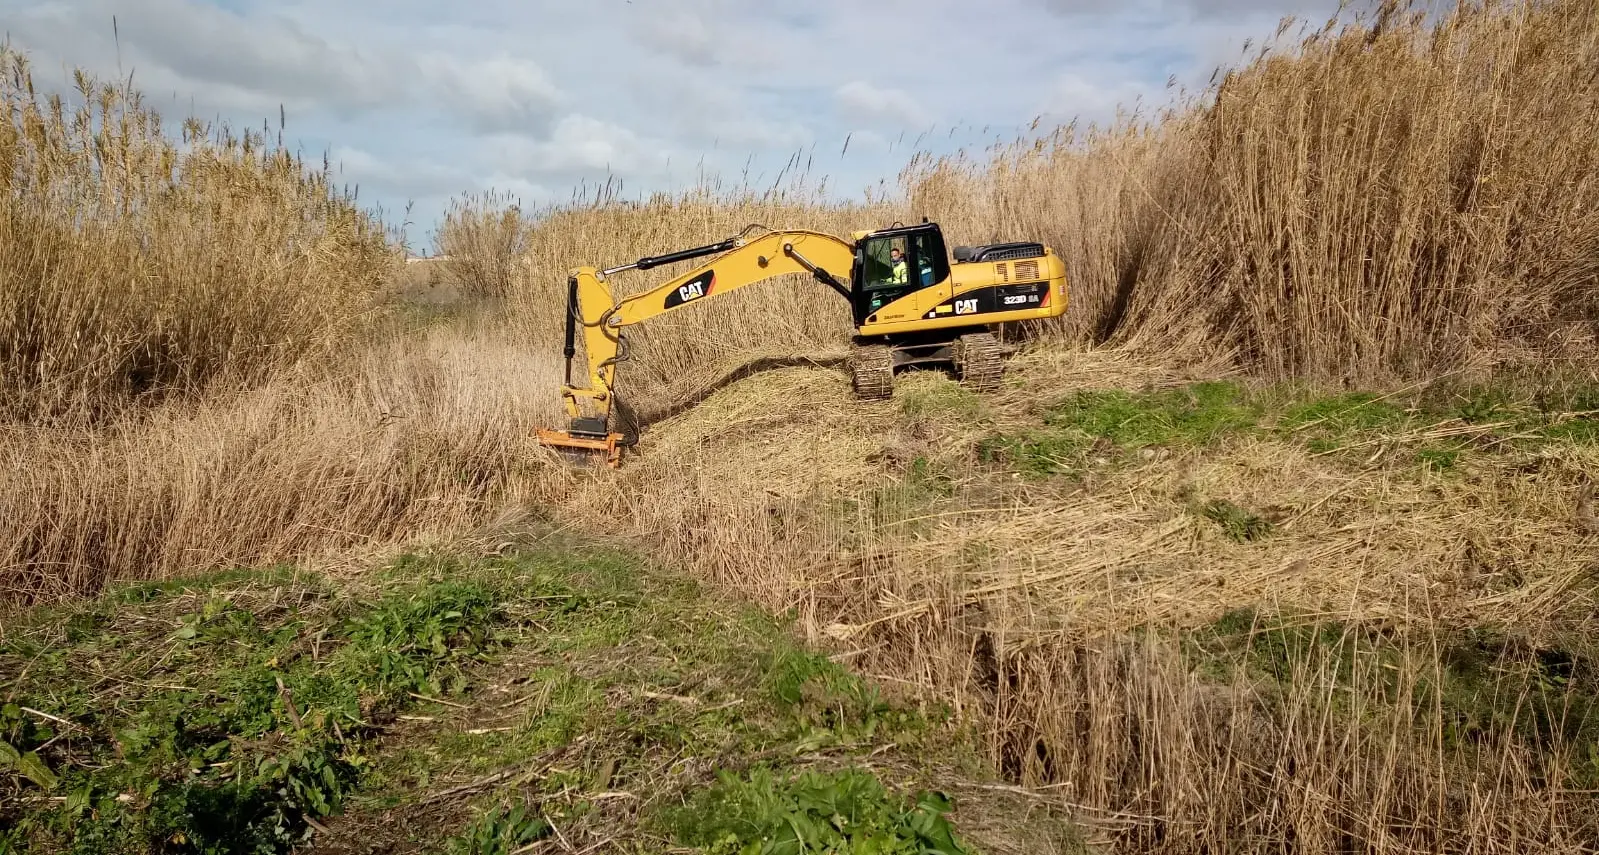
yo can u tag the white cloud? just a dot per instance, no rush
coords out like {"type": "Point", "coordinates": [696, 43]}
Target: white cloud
{"type": "Point", "coordinates": [580, 144]}
{"type": "Point", "coordinates": [498, 93]}
{"type": "Point", "coordinates": [423, 177]}
{"type": "Point", "coordinates": [1087, 100]}
{"type": "Point", "coordinates": [867, 141]}
{"type": "Point", "coordinates": [527, 193]}
{"type": "Point", "coordinates": [753, 133]}
{"type": "Point", "coordinates": [681, 33]}
{"type": "Point", "coordinates": [1196, 9]}
{"type": "Point", "coordinates": [419, 99]}
{"type": "Point", "coordinates": [231, 62]}
{"type": "Point", "coordinates": [864, 102]}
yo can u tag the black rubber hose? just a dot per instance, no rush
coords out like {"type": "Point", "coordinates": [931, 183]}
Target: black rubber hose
{"type": "Point", "coordinates": [627, 421]}
{"type": "Point", "coordinates": [571, 326]}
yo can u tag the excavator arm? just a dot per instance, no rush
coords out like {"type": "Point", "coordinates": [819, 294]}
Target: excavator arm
{"type": "Point", "coordinates": [593, 309]}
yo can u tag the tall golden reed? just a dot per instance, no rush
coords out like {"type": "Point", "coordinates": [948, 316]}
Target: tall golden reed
{"type": "Point", "coordinates": [1389, 198]}
{"type": "Point", "coordinates": [136, 267]}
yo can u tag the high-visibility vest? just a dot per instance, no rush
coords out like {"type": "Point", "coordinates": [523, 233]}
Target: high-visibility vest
{"type": "Point", "coordinates": [901, 273]}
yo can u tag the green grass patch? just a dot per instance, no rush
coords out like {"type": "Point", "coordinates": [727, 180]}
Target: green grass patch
{"type": "Point", "coordinates": [1440, 458]}
{"type": "Point", "coordinates": [1575, 430]}
{"type": "Point", "coordinates": [848, 811]}
{"type": "Point", "coordinates": [1529, 413]}
{"type": "Point", "coordinates": [241, 712]}
{"type": "Point", "coordinates": [221, 715]}
{"type": "Point", "coordinates": [1108, 424]}
{"type": "Point", "coordinates": [934, 396]}
{"type": "Point", "coordinates": [1097, 429]}
{"type": "Point", "coordinates": [1193, 415]}
{"type": "Point", "coordinates": [648, 670]}
{"type": "Point", "coordinates": [1342, 415]}
{"type": "Point", "coordinates": [1242, 525]}
{"type": "Point", "coordinates": [501, 831]}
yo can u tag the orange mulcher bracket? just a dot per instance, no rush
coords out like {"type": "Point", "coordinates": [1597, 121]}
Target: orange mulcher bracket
{"type": "Point", "coordinates": [610, 443]}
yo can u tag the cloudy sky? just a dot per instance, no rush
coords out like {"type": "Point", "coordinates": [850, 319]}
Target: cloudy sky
{"type": "Point", "coordinates": [421, 100]}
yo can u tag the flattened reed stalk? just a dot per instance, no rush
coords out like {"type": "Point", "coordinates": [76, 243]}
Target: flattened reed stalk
{"type": "Point", "coordinates": [136, 267]}
{"type": "Point", "coordinates": [1090, 628]}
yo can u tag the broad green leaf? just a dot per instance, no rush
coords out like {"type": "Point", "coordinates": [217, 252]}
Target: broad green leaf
{"type": "Point", "coordinates": [30, 765]}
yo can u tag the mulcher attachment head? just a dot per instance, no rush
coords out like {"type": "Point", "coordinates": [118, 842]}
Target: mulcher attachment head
{"type": "Point", "coordinates": [583, 442]}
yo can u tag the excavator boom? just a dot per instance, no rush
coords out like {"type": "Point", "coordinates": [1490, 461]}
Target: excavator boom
{"type": "Point", "coordinates": [909, 304]}
{"type": "Point", "coordinates": [592, 308]}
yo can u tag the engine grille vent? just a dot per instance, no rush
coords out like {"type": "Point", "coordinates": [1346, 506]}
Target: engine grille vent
{"type": "Point", "coordinates": [1002, 271]}
{"type": "Point", "coordinates": [1026, 271]}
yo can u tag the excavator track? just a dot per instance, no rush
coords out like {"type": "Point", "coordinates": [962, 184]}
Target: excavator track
{"type": "Point", "coordinates": [872, 368]}
{"type": "Point", "coordinates": [979, 361]}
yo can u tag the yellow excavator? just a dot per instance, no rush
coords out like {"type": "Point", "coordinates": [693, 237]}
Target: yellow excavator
{"type": "Point", "coordinates": [910, 305]}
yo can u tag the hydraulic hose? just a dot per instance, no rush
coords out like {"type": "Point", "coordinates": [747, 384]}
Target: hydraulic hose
{"type": "Point", "coordinates": [571, 325]}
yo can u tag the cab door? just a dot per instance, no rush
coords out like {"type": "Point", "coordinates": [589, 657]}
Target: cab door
{"type": "Point", "coordinates": [898, 264]}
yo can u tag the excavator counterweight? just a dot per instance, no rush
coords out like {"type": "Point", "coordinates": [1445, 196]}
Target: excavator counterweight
{"type": "Point", "coordinates": [909, 304]}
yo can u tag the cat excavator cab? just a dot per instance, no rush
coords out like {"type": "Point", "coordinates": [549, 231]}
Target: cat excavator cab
{"type": "Point", "coordinates": [910, 304]}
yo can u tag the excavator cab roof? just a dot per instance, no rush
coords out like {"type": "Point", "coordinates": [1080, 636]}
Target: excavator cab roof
{"type": "Point", "coordinates": [896, 229]}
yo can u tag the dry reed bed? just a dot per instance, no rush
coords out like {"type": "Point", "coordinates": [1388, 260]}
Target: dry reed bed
{"type": "Point", "coordinates": [420, 438]}
{"type": "Point", "coordinates": [136, 267]}
{"type": "Point", "coordinates": [1381, 200]}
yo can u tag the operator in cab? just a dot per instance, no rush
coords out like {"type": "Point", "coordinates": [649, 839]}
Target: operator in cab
{"type": "Point", "coordinates": [899, 272]}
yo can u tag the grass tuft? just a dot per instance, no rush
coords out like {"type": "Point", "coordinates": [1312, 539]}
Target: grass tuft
{"type": "Point", "coordinates": [846, 811]}
{"type": "Point", "coordinates": [1239, 524]}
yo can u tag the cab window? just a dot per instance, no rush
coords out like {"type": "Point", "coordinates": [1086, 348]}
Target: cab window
{"type": "Point", "coordinates": [927, 250]}
{"type": "Point", "coordinates": [883, 261]}
{"type": "Point", "coordinates": [895, 265]}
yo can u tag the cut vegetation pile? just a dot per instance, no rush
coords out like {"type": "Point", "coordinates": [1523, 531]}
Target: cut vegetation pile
{"type": "Point", "coordinates": [1284, 538]}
